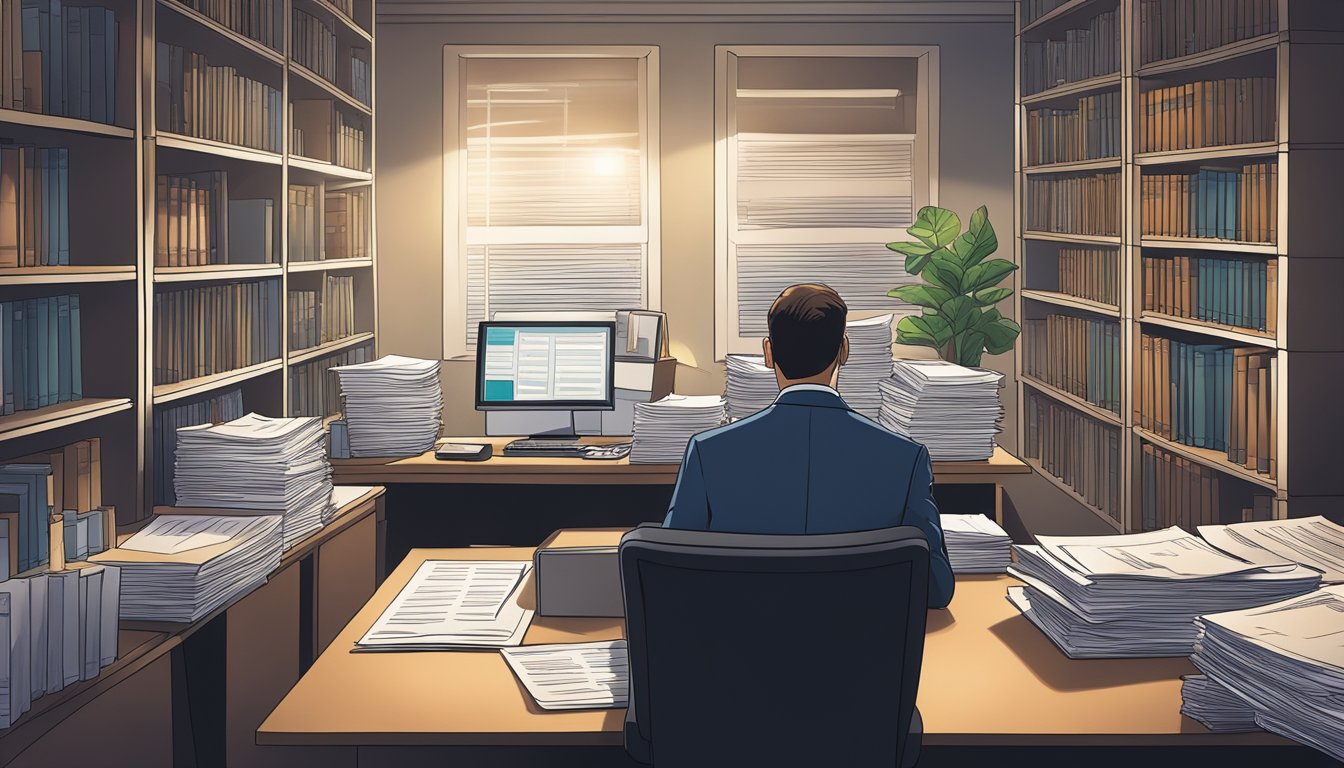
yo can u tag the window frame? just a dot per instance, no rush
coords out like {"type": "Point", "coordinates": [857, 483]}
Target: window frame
{"type": "Point", "coordinates": [455, 228]}
{"type": "Point", "coordinates": [727, 339]}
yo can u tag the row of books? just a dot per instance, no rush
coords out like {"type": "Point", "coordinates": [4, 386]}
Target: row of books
{"type": "Point", "coordinates": [320, 317]}
{"type": "Point", "coordinates": [314, 390]}
{"type": "Point", "coordinates": [1090, 131]}
{"type": "Point", "coordinates": [56, 629]}
{"type": "Point", "coordinates": [1090, 273]}
{"type": "Point", "coordinates": [1081, 451]}
{"type": "Point", "coordinates": [225, 406]}
{"type": "Point", "coordinates": [1236, 204]}
{"type": "Point", "coordinates": [1178, 491]}
{"type": "Point", "coordinates": [1082, 54]}
{"type": "Point", "coordinates": [34, 206]}
{"type": "Point", "coordinates": [1078, 205]}
{"type": "Point", "coordinates": [1208, 113]}
{"type": "Point", "coordinates": [41, 357]}
{"type": "Point", "coordinates": [314, 45]}
{"type": "Point", "coordinates": [261, 20]}
{"type": "Point", "coordinates": [1169, 29]}
{"type": "Point", "coordinates": [1240, 292]}
{"type": "Point", "coordinates": [197, 223]}
{"type": "Point", "coordinates": [305, 222]}
{"type": "Point", "coordinates": [1080, 355]}
{"type": "Point", "coordinates": [211, 329]}
{"type": "Point", "coordinates": [361, 77]}
{"type": "Point", "coordinates": [196, 98]}
{"type": "Point", "coordinates": [1210, 396]}
{"type": "Point", "coordinates": [59, 60]}
{"type": "Point", "coordinates": [346, 222]}
{"type": "Point", "coordinates": [349, 150]}
{"type": "Point", "coordinates": [321, 131]}
{"type": "Point", "coordinates": [47, 486]}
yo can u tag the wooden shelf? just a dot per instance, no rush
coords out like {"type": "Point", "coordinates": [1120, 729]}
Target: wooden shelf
{"type": "Point", "coordinates": [1209, 458]}
{"type": "Point", "coordinates": [1075, 302]}
{"type": "Point", "coordinates": [1103, 164]}
{"type": "Point", "coordinates": [1063, 486]}
{"type": "Point", "coordinates": [1061, 237]}
{"type": "Point", "coordinates": [1063, 10]}
{"type": "Point", "coordinates": [66, 274]}
{"type": "Point", "coordinates": [1099, 83]}
{"type": "Point", "coordinates": [1228, 332]}
{"type": "Point", "coordinates": [24, 423]}
{"type": "Point", "coordinates": [328, 169]}
{"type": "Point", "coordinates": [164, 393]}
{"type": "Point", "coordinates": [1209, 244]}
{"type": "Point", "coordinates": [1212, 56]}
{"type": "Point", "coordinates": [215, 272]}
{"type": "Point", "coordinates": [1072, 400]}
{"type": "Point", "coordinates": [339, 15]}
{"type": "Point", "coordinates": [237, 38]}
{"type": "Point", "coordinates": [317, 81]}
{"type": "Point", "coordinates": [328, 265]}
{"type": "Point", "coordinates": [168, 140]}
{"type": "Point", "coordinates": [1169, 157]}
{"type": "Point", "coordinates": [57, 123]}
{"type": "Point", "coordinates": [331, 347]}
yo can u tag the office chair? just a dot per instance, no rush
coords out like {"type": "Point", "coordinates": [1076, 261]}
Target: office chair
{"type": "Point", "coordinates": [774, 650]}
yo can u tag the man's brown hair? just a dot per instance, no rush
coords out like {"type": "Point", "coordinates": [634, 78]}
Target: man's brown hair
{"type": "Point", "coordinates": [807, 327]}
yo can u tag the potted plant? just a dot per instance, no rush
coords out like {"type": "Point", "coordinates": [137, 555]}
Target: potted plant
{"type": "Point", "coordinates": [960, 287]}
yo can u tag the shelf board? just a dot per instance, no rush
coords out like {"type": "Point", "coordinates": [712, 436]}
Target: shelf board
{"type": "Point", "coordinates": [1071, 400]}
{"type": "Point", "coordinates": [1166, 157]}
{"type": "Point", "coordinates": [1063, 237]}
{"type": "Point", "coordinates": [66, 274]}
{"type": "Point", "coordinates": [1063, 486]}
{"type": "Point", "coordinates": [24, 423]}
{"type": "Point", "coordinates": [176, 391]}
{"type": "Point", "coordinates": [1209, 458]}
{"type": "Point", "coordinates": [1209, 244]}
{"type": "Point", "coordinates": [327, 265]}
{"type": "Point", "coordinates": [1098, 83]}
{"type": "Point", "coordinates": [322, 350]}
{"type": "Point", "coordinates": [168, 140]}
{"type": "Point", "coordinates": [1068, 300]}
{"type": "Point", "coordinates": [321, 83]}
{"type": "Point", "coordinates": [328, 169]}
{"type": "Point", "coordinates": [237, 38]}
{"type": "Point", "coordinates": [1103, 164]}
{"type": "Point", "coordinates": [57, 123]}
{"type": "Point", "coordinates": [215, 272]}
{"type": "Point", "coordinates": [1212, 56]}
{"type": "Point", "coordinates": [340, 17]}
{"type": "Point", "coordinates": [1228, 332]}
{"type": "Point", "coordinates": [1058, 13]}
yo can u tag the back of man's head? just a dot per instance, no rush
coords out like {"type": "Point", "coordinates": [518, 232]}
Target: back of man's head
{"type": "Point", "coordinates": [807, 329]}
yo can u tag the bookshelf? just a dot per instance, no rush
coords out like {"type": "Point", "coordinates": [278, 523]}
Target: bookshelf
{"type": "Point", "coordinates": [1170, 291]}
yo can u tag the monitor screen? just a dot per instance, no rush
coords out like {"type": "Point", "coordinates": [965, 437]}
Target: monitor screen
{"type": "Point", "coordinates": [544, 365]}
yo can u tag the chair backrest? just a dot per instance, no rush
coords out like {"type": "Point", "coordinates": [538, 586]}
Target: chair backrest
{"type": "Point", "coordinates": [773, 649]}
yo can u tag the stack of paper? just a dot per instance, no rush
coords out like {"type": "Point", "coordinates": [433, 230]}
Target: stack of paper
{"type": "Point", "coordinates": [393, 405]}
{"type": "Point", "coordinates": [1137, 595]}
{"type": "Point", "coordinates": [869, 363]}
{"type": "Point", "coordinates": [574, 676]}
{"type": "Point", "coordinates": [952, 410]}
{"type": "Point", "coordinates": [1215, 707]}
{"type": "Point", "coordinates": [454, 604]}
{"type": "Point", "coordinates": [1286, 661]}
{"type": "Point", "coordinates": [976, 544]}
{"type": "Point", "coordinates": [258, 463]}
{"type": "Point", "coordinates": [664, 427]}
{"type": "Point", "coordinates": [1311, 541]}
{"type": "Point", "coordinates": [181, 567]}
{"type": "Point", "coordinates": [751, 386]}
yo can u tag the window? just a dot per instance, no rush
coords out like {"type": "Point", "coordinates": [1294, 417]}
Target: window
{"type": "Point", "coordinates": [823, 155]}
{"type": "Point", "coordinates": [550, 183]}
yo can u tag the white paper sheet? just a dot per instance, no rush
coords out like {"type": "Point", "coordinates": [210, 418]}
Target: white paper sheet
{"type": "Point", "coordinates": [1311, 541]}
{"type": "Point", "coordinates": [574, 676]}
{"type": "Point", "coordinates": [454, 604]}
{"type": "Point", "coordinates": [175, 534]}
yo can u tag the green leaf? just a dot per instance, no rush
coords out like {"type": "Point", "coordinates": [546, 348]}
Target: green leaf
{"type": "Point", "coordinates": [935, 227]}
{"type": "Point", "coordinates": [961, 313]}
{"type": "Point", "coordinates": [945, 271]}
{"type": "Point", "coordinates": [927, 330]}
{"type": "Point", "coordinates": [916, 255]}
{"type": "Point", "coordinates": [930, 296]}
{"type": "Point", "coordinates": [1000, 335]}
{"type": "Point", "coordinates": [991, 296]}
{"type": "Point", "coordinates": [970, 348]}
{"type": "Point", "coordinates": [987, 274]}
{"type": "Point", "coordinates": [978, 241]}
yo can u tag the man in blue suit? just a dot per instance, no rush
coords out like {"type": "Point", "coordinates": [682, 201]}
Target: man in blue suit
{"type": "Point", "coordinates": [808, 464]}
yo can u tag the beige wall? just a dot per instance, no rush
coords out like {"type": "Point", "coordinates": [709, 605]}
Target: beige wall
{"type": "Point", "coordinates": [975, 163]}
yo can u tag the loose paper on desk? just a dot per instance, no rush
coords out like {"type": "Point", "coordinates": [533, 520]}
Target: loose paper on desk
{"type": "Point", "coordinates": [1311, 541]}
{"type": "Point", "coordinates": [574, 675]}
{"type": "Point", "coordinates": [454, 604]}
{"type": "Point", "coordinates": [174, 534]}
{"type": "Point", "coordinates": [1165, 554]}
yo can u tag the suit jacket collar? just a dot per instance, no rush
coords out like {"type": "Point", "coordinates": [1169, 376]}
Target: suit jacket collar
{"type": "Point", "coordinates": [811, 397]}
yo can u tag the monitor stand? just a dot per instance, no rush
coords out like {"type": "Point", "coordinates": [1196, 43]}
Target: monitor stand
{"type": "Point", "coordinates": [547, 424]}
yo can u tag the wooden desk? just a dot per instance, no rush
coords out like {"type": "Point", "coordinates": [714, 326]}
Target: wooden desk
{"type": "Point", "coordinates": [989, 678]}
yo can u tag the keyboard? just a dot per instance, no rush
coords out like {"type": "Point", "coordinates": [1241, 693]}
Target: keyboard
{"type": "Point", "coordinates": [544, 447]}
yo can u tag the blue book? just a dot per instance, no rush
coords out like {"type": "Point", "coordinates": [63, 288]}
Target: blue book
{"type": "Point", "coordinates": [72, 28]}
{"type": "Point", "coordinates": [1202, 208]}
{"type": "Point", "coordinates": [63, 369]}
{"type": "Point", "coordinates": [1181, 386]}
{"type": "Point", "coordinates": [31, 16]}
{"type": "Point", "coordinates": [1198, 398]}
{"type": "Point", "coordinates": [56, 51]}
{"type": "Point", "coordinates": [21, 492]}
{"type": "Point", "coordinates": [1093, 352]}
{"type": "Point", "coordinates": [7, 338]}
{"type": "Point", "coordinates": [97, 26]}
{"type": "Point", "coordinates": [53, 356]}
{"type": "Point", "coordinates": [31, 392]}
{"type": "Point", "coordinates": [85, 64]}
{"type": "Point", "coordinates": [1262, 297]}
{"type": "Point", "coordinates": [19, 334]}
{"type": "Point", "coordinates": [76, 362]}
{"type": "Point", "coordinates": [63, 206]}
{"type": "Point", "coordinates": [110, 66]}
{"type": "Point", "coordinates": [1231, 182]}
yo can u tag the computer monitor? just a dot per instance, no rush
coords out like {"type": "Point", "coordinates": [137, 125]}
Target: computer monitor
{"type": "Point", "coordinates": [540, 365]}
